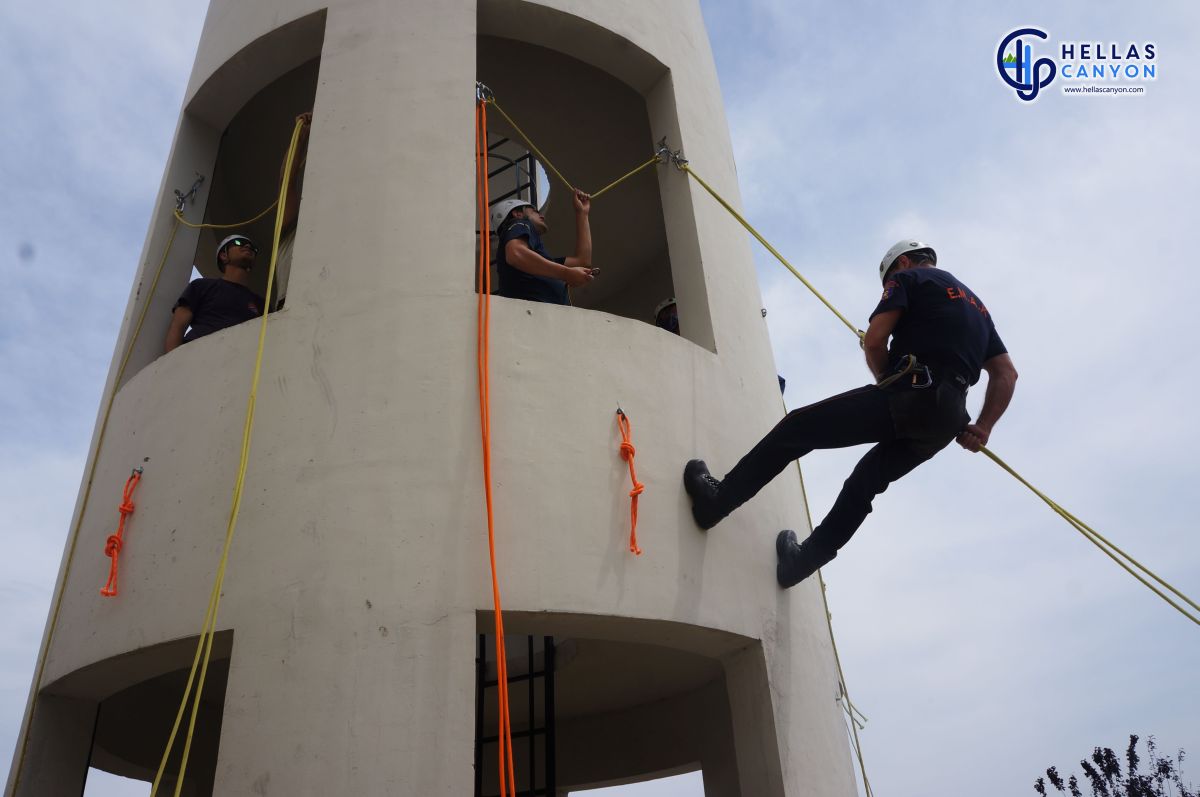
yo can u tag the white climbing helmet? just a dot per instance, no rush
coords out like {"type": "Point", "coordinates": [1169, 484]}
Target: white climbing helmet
{"type": "Point", "coordinates": [501, 209]}
{"type": "Point", "coordinates": [663, 305]}
{"type": "Point", "coordinates": [901, 248]}
{"type": "Point", "coordinates": [227, 241]}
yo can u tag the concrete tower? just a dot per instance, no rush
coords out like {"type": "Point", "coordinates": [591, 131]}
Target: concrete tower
{"type": "Point", "coordinates": [358, 600]}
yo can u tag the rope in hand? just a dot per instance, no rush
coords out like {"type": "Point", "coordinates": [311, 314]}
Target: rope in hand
{"type": "Point", "coordinates": [1109, 549]}
{"type": "Point", "coordinates": [506, 771]}
{"type": "Point", "coordinates": [200, 661]}
{"type": "Point", "coordinates": [627, 453]}
{"type": "Point", "coordinates": [115, 542]}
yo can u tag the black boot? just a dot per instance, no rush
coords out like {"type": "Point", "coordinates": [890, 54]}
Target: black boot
{"type": "Point", "coordinates": [798, 561]}
{"type": "Point", "coordinates": [705, 493]}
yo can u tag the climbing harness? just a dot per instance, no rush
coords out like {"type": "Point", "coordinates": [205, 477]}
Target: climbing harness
{"type": "Point", "coordinates": [667, 155]}
{"type": "Point", "coordinates": [922, 377]}
{"type": "Point", "coordinates": [1111, 550]}
{"type": "Point", "coordinates": [115, 542]}
{"type": "Point", "coordinates": [628, 452]}
{"type": "Point", "coordinates": [484, 96]}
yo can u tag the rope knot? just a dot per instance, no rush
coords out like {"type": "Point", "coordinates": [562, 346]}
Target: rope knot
{"type": "Point", "coordinates": [115, 542]}
{"type": "Point", "coordinates": [627, 453]}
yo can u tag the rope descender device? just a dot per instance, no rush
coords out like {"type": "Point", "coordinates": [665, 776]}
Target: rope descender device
{"type": "Point", "coordinates": [115, 542]}
{"type": "Point", "coordinates": [628, 452]}
{"type": "Point", "coordinates": [909, 365]}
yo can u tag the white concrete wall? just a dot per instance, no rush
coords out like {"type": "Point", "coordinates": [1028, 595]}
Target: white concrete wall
{"type": "Point", "coordinates": [360, 559]}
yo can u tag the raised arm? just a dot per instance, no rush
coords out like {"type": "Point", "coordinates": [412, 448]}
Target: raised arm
{"type": "Point", "coordinates": [1002, 383]}
{"type": "Point", "coordinates": [583, 231]}
{"type": "Point", "coordinates": [180, 320]}
{"type": "Point", "coordinates": [520, 256]}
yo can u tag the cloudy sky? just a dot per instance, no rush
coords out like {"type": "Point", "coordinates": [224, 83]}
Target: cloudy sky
{"type": "Point", "coordinates": [981, 635]}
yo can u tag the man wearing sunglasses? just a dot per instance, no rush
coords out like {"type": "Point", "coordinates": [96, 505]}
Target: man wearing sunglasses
{"type": "Point", "coordinates": [208, 305]}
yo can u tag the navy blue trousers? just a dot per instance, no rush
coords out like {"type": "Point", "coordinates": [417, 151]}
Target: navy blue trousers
{"type": "Point", "coordinates": [907, 425]}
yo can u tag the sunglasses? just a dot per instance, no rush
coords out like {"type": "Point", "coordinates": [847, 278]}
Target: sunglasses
{"type": "Point", "coordinates": [243, 242]}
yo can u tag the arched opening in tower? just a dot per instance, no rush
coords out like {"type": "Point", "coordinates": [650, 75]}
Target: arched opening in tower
{"type": "Point", "coordinates": [247, 176]}
{"type": "Point", "coordinates": [115, 716]}
{"type": "Point", "coordinates": [593, 127]}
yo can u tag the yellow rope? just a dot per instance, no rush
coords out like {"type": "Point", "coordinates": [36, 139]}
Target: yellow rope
{"type": "Point", "coordinates": [750, 228]}
{"type": "Point", "coordinates": [179, 217]}
{"type": "Point", "coordinates": [87, 493]}
{"type": "Point", "coordinates": [541, 157]}
{"type": "Point", "coordinates": [1103, 543]}
{"type": "Point", "coordinates": [546, 161]}
{"type": "Point", "coordinates": [850, 709]}
{"type": "Point", "coordinates": [625, 177]}
{"type": "Point", "coordinates": [204, 645]}
{"type": "Point", "coordinates": [1087, 531]}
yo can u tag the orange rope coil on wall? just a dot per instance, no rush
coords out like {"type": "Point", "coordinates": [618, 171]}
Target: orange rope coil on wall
{"type": "Point", "coordinates": [115, 542]}
{"type": "Point", "coordinates": [627, 453]}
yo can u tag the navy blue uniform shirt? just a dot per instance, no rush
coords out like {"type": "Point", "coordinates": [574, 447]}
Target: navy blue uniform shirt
{"type": "Point", "coordinates": [216, 304]}
{"type": "Point", "coordinates": [943, 324]}
{"type": "Point", "coordinates": [517, 284]}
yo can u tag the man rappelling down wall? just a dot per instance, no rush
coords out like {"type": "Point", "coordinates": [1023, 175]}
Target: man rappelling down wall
{"type": "Point", "coordinates": [942, 335]}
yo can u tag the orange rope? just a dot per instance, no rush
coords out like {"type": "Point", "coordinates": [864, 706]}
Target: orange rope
{"type": "Point", "coordinates": [627, 454]}
{"type": "Point", "coordinates": [115, 542]}
{"type": "Point", "coordinates": [484, 285]}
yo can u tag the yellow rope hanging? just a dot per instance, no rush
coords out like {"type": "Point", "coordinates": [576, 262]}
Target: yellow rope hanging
{"type": "Point", "coordinates": [1111, 550]}
{"type": "Point", "coordinates": [837, 660]}
{"type": "Point", "coordinates": [204, 646]}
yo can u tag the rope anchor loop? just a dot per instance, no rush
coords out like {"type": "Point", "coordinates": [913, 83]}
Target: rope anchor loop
{"type": "Point", "coordinates": [181, 199]}
{"type": "Point", "coordinates": [668, 155]}
{"type": "Point", "coordinates": [483, 93]}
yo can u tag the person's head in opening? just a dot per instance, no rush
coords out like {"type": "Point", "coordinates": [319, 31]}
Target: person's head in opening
{"type": "Point", "coordinates": [666, 315]}
{"type": "Point", "coordinates": [235, 258]}
{"type": "Point", "coordinates": [904, 255]}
